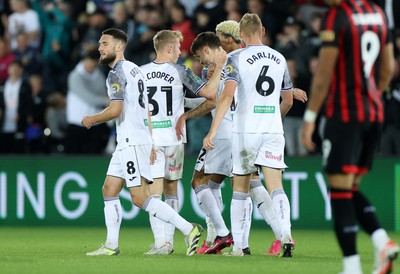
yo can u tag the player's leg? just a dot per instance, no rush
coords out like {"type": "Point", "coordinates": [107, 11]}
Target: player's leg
{"type": "Point", "coordinates": [171, 199]}
{"type": "Point", "coordinates": [247, 227]}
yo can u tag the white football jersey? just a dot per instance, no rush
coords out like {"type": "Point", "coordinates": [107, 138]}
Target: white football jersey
{"type": "Point", "coordinates": [167, 84]}
{"type": "Point", "coordinates": [125, 82]}
{"type": "Point", "coordinates": [261, 73]}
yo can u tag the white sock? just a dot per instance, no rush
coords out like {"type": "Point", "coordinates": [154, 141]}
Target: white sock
{"type": "Point", "coordinates": [352, 264]}
{"type": "Point", "coordinates": [172, 201]}
{"type": "Point", "coordinates": [247, 224]}
{"type": "Point", "coordinates": [261, 198]}
{"type": "Point", "coordinates": [158, 228]}
{"type": "Point", "coordinates": [209, 205]}
{"type": "Point", "coordinates": [216, 191]}
{"type": "Point", "coordinates": [211, 232]}
{"type": "Point", "coordinates": [379, 239]}
{"type": "Point", "coordinates": [164, 212]}
{"type": "Point", "coordinates": [282, 210]}
{"type": "Point", "coordinates": [238, 217]}
{"type": "Point", "coordinates": [113, 219]}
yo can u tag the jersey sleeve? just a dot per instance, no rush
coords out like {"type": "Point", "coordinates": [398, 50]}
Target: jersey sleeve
{"type": "Point", "coordinates": [287, 82]}
{"type": "Point", "coordinates": [189, 79]}
{"type": "Point", "coordinates": [332, 26]}
{"type": "Point", "coordinates": [231, 69]}
{"type": "Point", "coordinates": [117, 85]}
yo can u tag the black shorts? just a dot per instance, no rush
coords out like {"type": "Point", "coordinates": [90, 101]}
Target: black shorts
{"type": "Point", "coordinates": [349, 147]}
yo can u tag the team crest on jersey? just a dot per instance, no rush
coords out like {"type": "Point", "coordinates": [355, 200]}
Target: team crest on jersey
{"type": "Point", "coordinates": [327, 35]}
{"type": "Point", "coordinates": [229, 69]}
{"type": "Point", "coordinates": [115, 87]}
{"type": "Point", "coordinates": [194, 77]}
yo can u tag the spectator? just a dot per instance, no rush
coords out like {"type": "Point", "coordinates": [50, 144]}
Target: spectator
{"type": "Point", "coordinates": [121, 19]}
{"type": "Point", "coordinates": [34, 133]}
{"type": "Point", "coordinates": [15, 107]}
{"type": "Point", "coordinates": [56, 51]}
{"type": "Point", "coordinates": [87, 95]}
{"type": "Point", "coordinates": [208, 14]}
{"type": "Point", "coordinates": [182, 23]}
{"type": "Point", "coordinates": [29, 56]}
{"type": "Point", "coordinates": [56, 122]}
{"type": "Point", "coordinates": [23, 19]}
{"type": "Point", "coordinates": [6, 57]}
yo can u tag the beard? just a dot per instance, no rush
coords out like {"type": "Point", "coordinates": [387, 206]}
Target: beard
{"type": "Point", "coordinates": [107, 60]}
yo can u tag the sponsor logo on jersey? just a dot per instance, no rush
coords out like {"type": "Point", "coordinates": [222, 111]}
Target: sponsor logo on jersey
{"type": "Point", "coordinates": [264, 109]}
{"type": "Point", "coordinates": [229, 69]}
{"type": "Point", "coordinates": [194, 77]}
{"type": "Point", "coordinates": [115, 87]}
{"type": "Point", "coordinates": [269, 155]}
{"type": "Point", "coordinates": [161, 124]}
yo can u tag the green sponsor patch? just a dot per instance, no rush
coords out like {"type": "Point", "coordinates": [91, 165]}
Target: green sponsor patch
{"type": "Point", "coordinates": [264, 109]}
{"type": "Point", "coordinates": [159, 124]}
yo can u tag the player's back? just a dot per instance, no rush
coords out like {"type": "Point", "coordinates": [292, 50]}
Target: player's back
{"type": "Point", "coordinates": [261, 73]}
{"type": "Point", "coordinates": [166, 87]}
{"type": "Point", "coordinates": [359, 30]}
{"type": "Point", "coordinates": [125, 82]}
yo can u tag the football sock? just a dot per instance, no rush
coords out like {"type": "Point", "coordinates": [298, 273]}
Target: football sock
{"type": "Point", "coordinates": [211, 232]}
{"type": "Point", "coordinates": [247, 224]}
{"type": "Point", "coordinates": [379, 239]}
{"type": "Point", "coordinates": [352, 264]}
{"type": "Point", "coordinates": [216, 191]}
{"type": "Point", "coordinates": [238, 216]}
{"type": "Point", "coordinates": [209, 205]}
{"type": "Point", "coordinates": [164, 212]}
{"type": "Point", "coordinates": [158, 228]}
{"type": "Point", "coordinates": [345, 220]}
{"type": "Point", "coordinates": [113, 218]}
{"type": "Point", "coordinates": [262, 200]}
{"type": "Point", "coordinates": [172, 201]}
{"type": "Point", "coordinates": [365, 212]}
{"type": "Point", "coordinates": [281, 205]}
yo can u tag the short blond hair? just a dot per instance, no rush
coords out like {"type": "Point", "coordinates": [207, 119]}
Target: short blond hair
{"type": "Point", "coordinates": [229, 28]}
{"type": "Point", "coordinates": [250, 24]}
{"type": "Point", "coordinates": [165, 37]}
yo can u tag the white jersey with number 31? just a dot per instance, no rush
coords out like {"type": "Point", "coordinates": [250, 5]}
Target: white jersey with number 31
{"type": "Point", "coordinates": [261, 73]}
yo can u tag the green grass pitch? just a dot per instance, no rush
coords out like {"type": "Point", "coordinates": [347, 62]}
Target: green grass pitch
{"type": "Point", "coordinates": [62, 250]}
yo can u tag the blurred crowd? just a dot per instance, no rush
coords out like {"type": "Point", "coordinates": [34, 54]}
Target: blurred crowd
{"type": "Point", "coordinates": [50, 77]}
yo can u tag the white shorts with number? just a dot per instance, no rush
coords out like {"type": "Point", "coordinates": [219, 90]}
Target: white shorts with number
{"type": "Point", "coordinates": [249, 150]}
{"type": "Point", "coordinates": [217, 160]}
{"type": "Point", "coordinates": [131, 163]}
{"type": "Point", "coordinates": [169, 163]}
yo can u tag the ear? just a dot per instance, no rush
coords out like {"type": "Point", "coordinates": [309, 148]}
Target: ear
{"type": "Point", "coordinates": [262, 31]}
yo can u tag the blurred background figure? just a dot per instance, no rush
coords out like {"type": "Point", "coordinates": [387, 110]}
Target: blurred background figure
{"type": "Point", "coordinates": [35, 138]}
{"type": "Point", "coordinates": [87, 95]}
{"type": "Point", "coordinates": [23, 19]}
{"type": "Point", "coordinates": [6, 57]}
{"type": "Point", "coordinates": [15, 110]}
{"type": "Point", "coordinates": [29, 56]}
{"type": "Point", "coordinates": [56, 122]}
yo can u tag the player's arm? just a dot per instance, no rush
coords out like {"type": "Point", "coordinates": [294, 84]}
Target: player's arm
{"type": "Point", "coordinates": [319, 91]}
{"type": "Point", "coordinates": [204, 108]}
{"type": "Point", "coordinates": [111, 112]}
{"type": "Point", "coordinates": [286, 103]}
{"type": "Point", "coordinates": [300, 95]}
{"type": "Point", "coordinates": [386, 67]}
{"type": "Point", "coordinates": [223, 105]}
{"type": "Point", "coordinates": [210, 90]}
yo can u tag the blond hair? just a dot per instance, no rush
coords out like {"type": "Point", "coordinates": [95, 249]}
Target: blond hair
{"type": "Point", "coordinates": [250, 24]}
{"type": "Point", "coordinates": [165, 37]}
{"type": "Point", "coordinates": [229, 28]}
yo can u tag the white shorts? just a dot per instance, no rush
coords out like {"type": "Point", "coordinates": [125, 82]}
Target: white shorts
{"type": "Point", "coordinates": [217, 160]}
{"type": "Point", "coordinates": [131, 163]}
{"type": "Point", "coordinates": [169, 163]}
{"type": "Point", "coordinates": [264, 149]}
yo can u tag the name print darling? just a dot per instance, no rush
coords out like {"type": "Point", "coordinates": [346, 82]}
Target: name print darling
{"type": "Point", "coordinates": [261, 55]}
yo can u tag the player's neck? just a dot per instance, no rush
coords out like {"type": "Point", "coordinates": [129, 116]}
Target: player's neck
{"type": "Point", "coordinates": [119, 58]}
{"type": "Point", "coordinates": [162, 59]}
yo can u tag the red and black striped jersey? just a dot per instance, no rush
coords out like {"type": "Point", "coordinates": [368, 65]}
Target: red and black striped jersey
{"type": "Point", "coordinates": [358, 28]}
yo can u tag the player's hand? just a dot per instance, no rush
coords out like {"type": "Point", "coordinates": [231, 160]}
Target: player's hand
{"type": "Point", "coordinates": [180, 124]}
{"type": "Point", "coordinates": [306, 135]}
{"type": "Point", "coordinates": [220, 58]}
{"type": "Point", "coordinates": [87, 122]}
{"type": "Point", "coordinates": [208, 142]}
{"type": "Point", "coordinates": [153, 155]}
{"type": "Point", "coordinates": [300, 95]}
{"type": "Point", "coordinates": [211, 69]}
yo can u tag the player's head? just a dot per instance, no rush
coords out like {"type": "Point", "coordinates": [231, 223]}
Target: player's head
{"type": "Point", "coordinates": [229, 34]}
{"type": "Point", "coordinates": [250, 26]}
{"type": "Point", "coordinates": [333, 2]}
{"type": "Point", "coordinates": [168, 44]}
{"type": "Point", "coordinates": [204, 47]}
{"type": "Point", "coordinates": [112, 45]}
